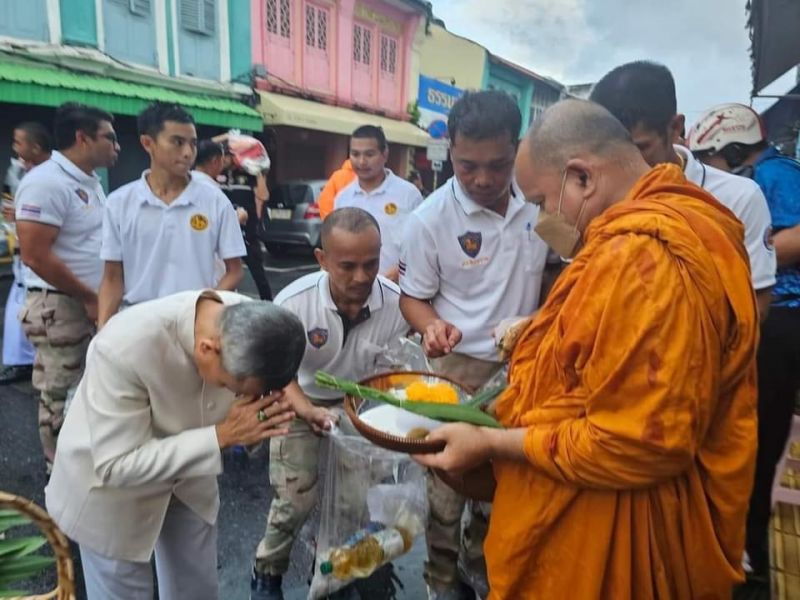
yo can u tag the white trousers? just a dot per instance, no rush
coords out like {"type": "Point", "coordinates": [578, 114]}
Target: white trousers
{"type": "Point", "coordinates": [186, 564]}
{"type": "Point", "coordinates": [17, 350]}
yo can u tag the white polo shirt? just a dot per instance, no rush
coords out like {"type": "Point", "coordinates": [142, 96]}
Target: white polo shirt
{"type": "Point", "coordinates": [744, 198]}
{"type": "Point", "coordinates": [380, 324]}
{"type": "Point", "coordinates": [476, 266]}
{"type": "Point", "coordinates": [58, 193]}
{"type": "Point", "coordinates": [169, 248]}
{"type": "Point", "coordinates": [205, 178]}
{"type": "Point", "coordinates": [391, 204]}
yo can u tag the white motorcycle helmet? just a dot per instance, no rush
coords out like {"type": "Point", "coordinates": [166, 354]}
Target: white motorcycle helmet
{"type": "Point", "coordinates": [724, 125]}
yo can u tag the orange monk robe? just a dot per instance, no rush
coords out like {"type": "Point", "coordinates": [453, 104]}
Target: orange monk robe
{"type": "Point", "coordinates": [339, 180]}
{"type": "Point", "coordinates": [637, 385]}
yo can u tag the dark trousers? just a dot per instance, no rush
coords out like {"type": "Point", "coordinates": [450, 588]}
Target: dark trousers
{"type": "Point", "coordinates": [778, 383]}
{"type": "Point", "coordinates": [255, 262]}
{"type": "Point", "coordinates": [255, 257]}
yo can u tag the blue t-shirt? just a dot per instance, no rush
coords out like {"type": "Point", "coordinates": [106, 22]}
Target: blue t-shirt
{"type": "Point", "coordinates": [779, 179]}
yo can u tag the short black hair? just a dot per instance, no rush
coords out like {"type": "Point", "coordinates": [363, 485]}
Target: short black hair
{"type": "Point", "coordinates": [37, 134]}
{"type": "Point", "coordinates": [72, 117]}
{"type": "Point", "coordinates": [207, 150]}
{"type": "Point", "coordinates": [350, 219]}
{"type": "Point", "coordinates": [640, 93]}
{"type": "Point", "coordinates": [371, 131]}
{"type": "Point", "coordinates": [483, 115]}
{"type": "Point", "coordinates": [151, 120]}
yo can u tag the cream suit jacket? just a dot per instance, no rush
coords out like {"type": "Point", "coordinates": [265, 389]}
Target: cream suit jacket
{"type": "Point", "coordinates": [140, 429]}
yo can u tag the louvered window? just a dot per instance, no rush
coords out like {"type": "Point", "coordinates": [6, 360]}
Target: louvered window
{"type": "Point", "coordinates": [199, 16]}
{"type": "Point", "coordinates": [137, 7]}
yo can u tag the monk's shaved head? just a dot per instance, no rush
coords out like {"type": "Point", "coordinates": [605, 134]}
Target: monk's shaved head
{"type": "Point", "coordinates": [576, 161]}
{"type": "Point", "coordinates": [577, 128]}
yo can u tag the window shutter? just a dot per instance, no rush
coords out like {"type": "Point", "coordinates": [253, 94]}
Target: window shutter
{"type": "Point", "coordinates": [190, 15]}
{"type": "Point", "coordinates": [210, 16]}
{"type": "Point", "coordinates": [198, 16]}
{"type": "Point", "coordinates": [140, 7]}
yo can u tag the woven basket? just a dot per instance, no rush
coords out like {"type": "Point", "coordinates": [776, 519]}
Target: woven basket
{"type": "Point", "coordinates": [65, 589]}
{"type": "Point", "coordinates": [385, 382]}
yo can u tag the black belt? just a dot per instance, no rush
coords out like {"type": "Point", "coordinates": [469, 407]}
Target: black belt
{"type": "Point", "coordinates": [38, 289]}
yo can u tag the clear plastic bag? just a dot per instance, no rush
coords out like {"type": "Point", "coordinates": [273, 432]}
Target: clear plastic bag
{"type": "Point", "coordinates": [404, 354]}
{"type": "Point", "coordinates": [373, 507]}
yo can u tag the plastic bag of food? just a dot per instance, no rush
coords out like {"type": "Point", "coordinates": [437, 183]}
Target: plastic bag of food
{"type": "Point", "coordinates": [404, 354]}
{"type": "Point", "coordinates": [247, 152]}
{"type": "Point", "coordinates": [373, 507]}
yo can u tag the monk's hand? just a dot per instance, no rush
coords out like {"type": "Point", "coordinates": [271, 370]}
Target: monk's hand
{"type": "Point", "coordinates": [507, 334]}
{"type": "Point", "coordinates": [252, 420]}
{"type": "Point", "coordinates": [466, 447]}
{"type": "Point", "coordinates": [439, 338]}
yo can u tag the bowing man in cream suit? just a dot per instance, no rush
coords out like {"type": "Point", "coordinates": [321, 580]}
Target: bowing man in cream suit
{"type": "Point", "coordinates": [140, 449]}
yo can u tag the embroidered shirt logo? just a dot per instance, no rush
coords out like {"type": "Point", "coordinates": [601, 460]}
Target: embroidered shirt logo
{"type": "Point", "coordinates": [471, 243]}
{"type": "Point", "coordinates": [199, 222]}
{"type": "Point", "coordinates": [317, 337]}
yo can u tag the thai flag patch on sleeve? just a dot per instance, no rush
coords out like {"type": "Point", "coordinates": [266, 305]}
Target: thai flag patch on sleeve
{"type": "Point", "coordinates": [30, 210]}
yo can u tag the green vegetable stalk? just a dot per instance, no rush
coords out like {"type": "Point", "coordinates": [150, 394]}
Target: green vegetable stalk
{"type": "Point", "coordinates": [454, 413]}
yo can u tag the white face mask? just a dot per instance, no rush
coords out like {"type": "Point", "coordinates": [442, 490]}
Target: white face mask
{"type": "Point", "coordinates": [556, 231]}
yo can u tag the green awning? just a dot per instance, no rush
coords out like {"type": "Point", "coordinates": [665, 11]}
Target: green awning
{"type": "Point", "coordinates": [44, 86]}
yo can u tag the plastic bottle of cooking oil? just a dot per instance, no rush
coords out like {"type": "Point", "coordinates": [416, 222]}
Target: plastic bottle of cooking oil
{"type": "Point", "coordinates": [366, 551]}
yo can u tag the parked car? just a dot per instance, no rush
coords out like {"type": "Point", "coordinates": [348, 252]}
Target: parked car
{"type": "Point", "coordinates": [294, 220]}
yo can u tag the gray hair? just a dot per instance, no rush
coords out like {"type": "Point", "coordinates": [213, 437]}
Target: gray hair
{"type": "Point", "coordinates": [261, 340]}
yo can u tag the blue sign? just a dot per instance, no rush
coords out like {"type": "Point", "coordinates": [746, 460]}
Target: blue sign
{"type": "Point", "coordinates": [436, 96]}
{"type": "Point", "coordinates": [438, 129]}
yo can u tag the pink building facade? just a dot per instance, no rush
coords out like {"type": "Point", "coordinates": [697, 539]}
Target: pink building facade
{"type": "Point", "coordinates": [348, 55]}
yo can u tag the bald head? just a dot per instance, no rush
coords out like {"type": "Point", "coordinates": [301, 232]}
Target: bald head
{"type": "Point", "coordinates": [349, 220]}
{"type": "Point", "coordinates": [577, 129]}
{"type": "Point", "coordinates": [576, 161]}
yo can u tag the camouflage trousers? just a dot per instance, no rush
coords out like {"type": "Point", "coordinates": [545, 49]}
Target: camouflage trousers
{"type": "Point", "coordinates": [60, 331]}
{"type": "Point", "coordinates": [451, 549]}
{"type": "Point", "coordinates": [294, 477]}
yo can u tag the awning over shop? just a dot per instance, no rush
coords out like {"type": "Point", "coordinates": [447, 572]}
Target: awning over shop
{"type": "Point", "coordinates": [296, 112]}
{"type": "Point", "coordinates": [46, 86]}
{"type": "Point", "coordinates": [775, 31]}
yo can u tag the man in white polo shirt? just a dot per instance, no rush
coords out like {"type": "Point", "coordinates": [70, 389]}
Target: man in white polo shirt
{"type": "Point", "coordinates": [470, 259]}
{"type": "Point", "coordinates": [163, 232]}
{"type": "Point", "coordinates": [642, 96]}
{"type": "Point", "coordinates": [384, 195]}
{"type": "Point", "coordinates": [351, 314]}
{"type": "Point", "coordinates": [59, 210]}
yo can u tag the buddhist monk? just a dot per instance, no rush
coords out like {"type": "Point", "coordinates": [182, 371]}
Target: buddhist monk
{"type": "Point", "coordinates": [627, 457]}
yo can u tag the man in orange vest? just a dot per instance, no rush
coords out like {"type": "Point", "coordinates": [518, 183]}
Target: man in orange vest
{"type": "Point", "coordinates": [338, 181]}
